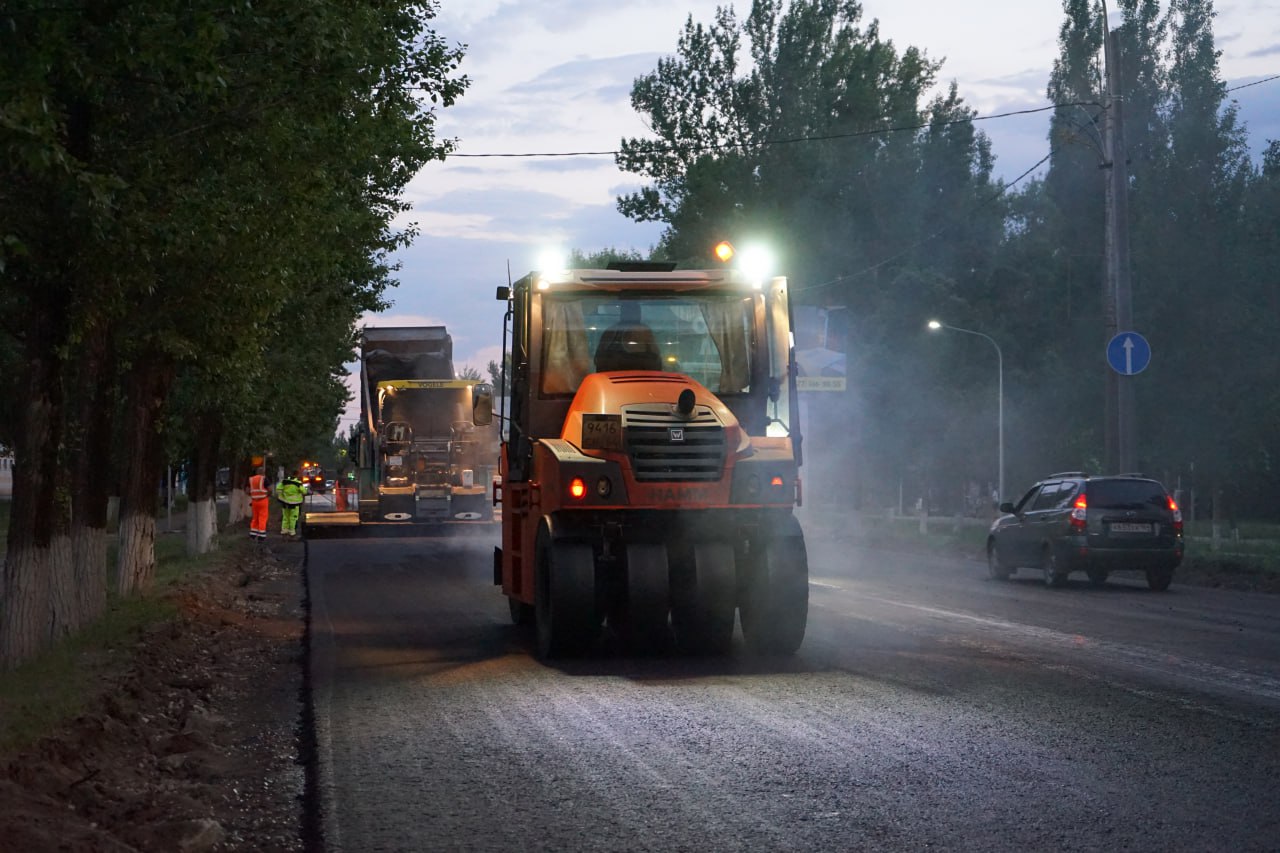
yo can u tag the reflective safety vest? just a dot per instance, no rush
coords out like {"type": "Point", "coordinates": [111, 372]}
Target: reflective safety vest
{"type": "Point", "coordinates": [289, 491]}
{"type": "Point", "coordinates": [258, 488]}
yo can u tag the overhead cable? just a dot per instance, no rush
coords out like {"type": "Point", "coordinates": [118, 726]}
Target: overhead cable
{"type": "Point", "coordinates": [729, 146]}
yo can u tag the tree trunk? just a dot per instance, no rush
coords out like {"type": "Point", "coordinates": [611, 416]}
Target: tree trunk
{"type": "Point", "coordinates": [202, 526]}
{"type": "Point", "coordinates": [24, 612]}
{"type": "Point", "coordinates": [64, 597]}
{"type": "Point", "coordinates": [240, 506]}
{"type": "Point", "coordinates": [25, 588]}
{"type": "Point", "coordinates": [92, 477]}
{"type": "Point", "coordinates": [202, 507]}
{"type": "Point", "coordinates": [147, 387]}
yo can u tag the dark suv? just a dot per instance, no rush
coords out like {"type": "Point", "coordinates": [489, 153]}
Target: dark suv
{"type": "Point", "coordinates": [1072, 522]}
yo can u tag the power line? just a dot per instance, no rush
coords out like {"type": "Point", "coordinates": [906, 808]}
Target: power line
{"type": "Point", "coordinates": [1255, 83]}
{"type": "Point", "coordinates": [1003, 189]}
{"type": "Point", "coordinates": [926, 238]}
{"type": "Point", "coordinates": [729, 146]}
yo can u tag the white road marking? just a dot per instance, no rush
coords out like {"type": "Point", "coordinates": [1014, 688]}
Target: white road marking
{"type": "Point", "coordinates": [1159, 662]}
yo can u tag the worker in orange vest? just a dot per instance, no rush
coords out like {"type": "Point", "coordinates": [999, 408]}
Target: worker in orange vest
{"type": "Point", "coordinates": [259, 501]}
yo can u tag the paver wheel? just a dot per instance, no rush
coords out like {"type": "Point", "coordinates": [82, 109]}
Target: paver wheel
{"type": "Point", "coordinates": [1054, 576]}
{"type": "Point", "coordinates": [1159, 579]}
{"type": "Point", "coordinates": [995, 565]}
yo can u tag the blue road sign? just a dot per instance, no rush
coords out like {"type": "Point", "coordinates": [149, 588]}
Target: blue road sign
{"type": "Point", "coordinates": [1128, 353]}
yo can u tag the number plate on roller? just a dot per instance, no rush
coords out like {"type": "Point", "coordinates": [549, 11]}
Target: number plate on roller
{"type": "Point", "coordinates": [1129, 527]}
{"type": "Point", "coordinates": [602, 432]}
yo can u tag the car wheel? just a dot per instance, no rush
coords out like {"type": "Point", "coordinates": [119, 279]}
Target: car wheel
{"type": "Point", "coordinates": [995, 565]}
{"type": "Point", "coordinates": [1054, 576]}
{"type": "Point", "coordinates": [1098, 577]}
{"type": "Point", "coordinates": [1159, 579]}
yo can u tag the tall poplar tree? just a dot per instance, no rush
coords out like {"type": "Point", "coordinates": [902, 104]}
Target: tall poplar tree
{"type": "Point", "coordinates": [805, 128]}
{"type": "Point", "coordinates": [1195, 250]}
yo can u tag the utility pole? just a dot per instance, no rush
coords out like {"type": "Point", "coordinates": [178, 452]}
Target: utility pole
{"type": "Point", "coordinates": [1118, 295]}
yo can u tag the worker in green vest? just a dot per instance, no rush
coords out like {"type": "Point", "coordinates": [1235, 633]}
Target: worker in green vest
{"type": "Point", "coordinates": [290, 494]}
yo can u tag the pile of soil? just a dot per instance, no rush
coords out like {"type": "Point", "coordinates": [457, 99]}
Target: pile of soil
{"type": "Point", "coordinates": [197, 745]}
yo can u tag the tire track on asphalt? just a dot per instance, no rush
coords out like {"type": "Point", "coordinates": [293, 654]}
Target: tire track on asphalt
{"type": "Point", "coordinates": [1033, 641]}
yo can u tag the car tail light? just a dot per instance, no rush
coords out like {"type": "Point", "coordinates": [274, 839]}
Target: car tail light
{"type": "Point", "coordinates": [1177, 516]}
{"type": "Point", "coordinates": [1079, 513]}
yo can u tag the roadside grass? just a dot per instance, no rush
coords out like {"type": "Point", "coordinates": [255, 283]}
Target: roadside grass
{"type": "Point", "coordinates": [1245, 531]}
{"type": "Point", "coordinates": [1232, 557]}
{"type": "Point", "coordinates": [1253, 550]}
{"type": "Point", "coordinates": [60, 684]}
{"type": "Point", "coordinates": [957, 538]}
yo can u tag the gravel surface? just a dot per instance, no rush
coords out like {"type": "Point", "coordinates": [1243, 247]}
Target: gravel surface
{"type": "Point", "coordinates": [929, 708]}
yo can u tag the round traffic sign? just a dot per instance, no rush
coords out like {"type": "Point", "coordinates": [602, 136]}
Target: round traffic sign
{"type": "Point", "coordinates": [1128, 353]}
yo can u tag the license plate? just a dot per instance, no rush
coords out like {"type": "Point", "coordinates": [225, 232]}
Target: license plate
{"type": "Point", "coordinates": [1128, 527]}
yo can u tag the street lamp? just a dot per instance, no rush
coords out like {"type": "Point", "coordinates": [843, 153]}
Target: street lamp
{"type": "Point", "coordinates": [935, 325]}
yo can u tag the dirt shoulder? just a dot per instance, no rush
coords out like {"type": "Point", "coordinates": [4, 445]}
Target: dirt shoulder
{"type": "Point", "coordinates": [197, 745]}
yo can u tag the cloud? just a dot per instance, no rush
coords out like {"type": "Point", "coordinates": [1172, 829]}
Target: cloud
{"type": "Point", "coordinates": [568, 164]}
{"type": "Point", "coordinates": [1269, 50]}
{"type": "Point", "coordinates": [586, 74]}
{"type": "Point", "coordinates": [1032, 81]}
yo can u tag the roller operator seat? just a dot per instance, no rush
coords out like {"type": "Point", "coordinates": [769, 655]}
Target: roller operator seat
{"type": "Point", "coordinates": [628, 346]}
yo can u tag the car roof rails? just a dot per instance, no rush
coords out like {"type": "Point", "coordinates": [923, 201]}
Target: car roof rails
{"type": "Point", "coordinates": [1133, 474]}
{"type": "Point", "coordinates": [1067, 474]}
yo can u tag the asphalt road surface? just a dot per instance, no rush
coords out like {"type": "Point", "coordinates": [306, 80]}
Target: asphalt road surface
{"type": "Point", "coordinates": [929, 708]}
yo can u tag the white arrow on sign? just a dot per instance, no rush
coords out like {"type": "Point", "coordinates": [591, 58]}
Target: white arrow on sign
{"type": "Point", "coordinates": [1128, 353]}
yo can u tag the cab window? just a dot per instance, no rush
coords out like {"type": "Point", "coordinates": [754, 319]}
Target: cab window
{"type": "Point", "coordinates": [705, 336]}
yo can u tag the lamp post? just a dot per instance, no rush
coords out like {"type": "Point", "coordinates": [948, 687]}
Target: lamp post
{"type": "Point", "coordinates": [935, 325]}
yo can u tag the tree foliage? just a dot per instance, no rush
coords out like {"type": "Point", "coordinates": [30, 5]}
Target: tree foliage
{"type": "Point", "coordinates": [196, 204]}
{"type": "Point", "coordinates": [821, 141]}
{"type": "Point", "coordinates": [803, 124]}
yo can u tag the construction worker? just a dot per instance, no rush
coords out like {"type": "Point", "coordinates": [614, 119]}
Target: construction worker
{"type": "Point", "coordinates": [259, 503]}
{"type": "Point", "coordinates": [290, 494]}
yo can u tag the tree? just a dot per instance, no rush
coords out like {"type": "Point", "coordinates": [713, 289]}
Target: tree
{"type": "Point", "coordinates": [499, 375]}
{"type": "Point", "coordinates": [822, 146]}
{"type": "Point", "coordinates": [178, 181]}
{"type": "Point", "coordinates": [1195, 249]}
{"type": "Point", "coordinates": [579, 259]}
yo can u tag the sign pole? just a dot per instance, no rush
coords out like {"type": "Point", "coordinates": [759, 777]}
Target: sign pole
{"type": "Point", "coordinates": [1121, 443]}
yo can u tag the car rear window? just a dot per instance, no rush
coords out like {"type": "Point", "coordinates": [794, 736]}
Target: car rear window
{"type": "Point", "coordinates": [1126, 494]}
